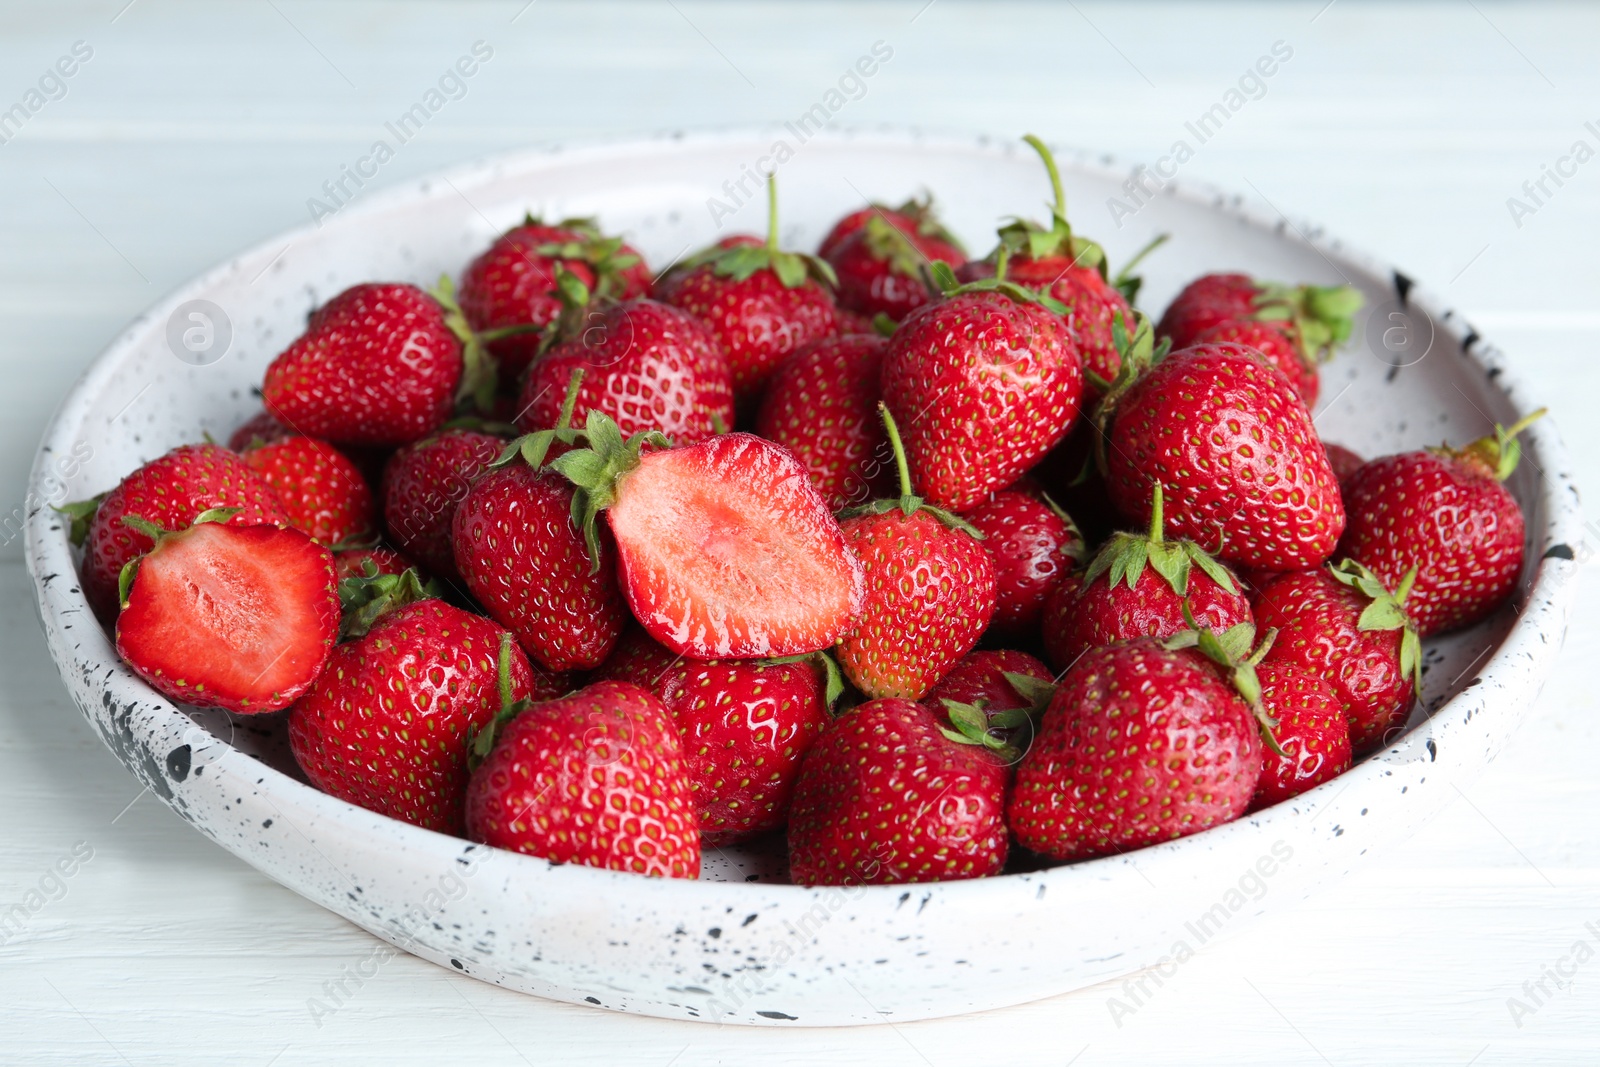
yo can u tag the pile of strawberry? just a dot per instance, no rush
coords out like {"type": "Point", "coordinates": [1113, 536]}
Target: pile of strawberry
{"type": "Point", "coordinates": [514, 574]}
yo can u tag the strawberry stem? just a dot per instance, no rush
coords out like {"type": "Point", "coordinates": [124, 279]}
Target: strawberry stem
{"type": "Point", "coordinates": [541, 445]}
{"type": "Point", "coordinates": [772, 212]}
{"type": "Point", "coordinates": [1157, 525]}
{"type": "Point", "coordinates": [1055, 175]}
{"type": "Point", "coordinates": [908, 501]}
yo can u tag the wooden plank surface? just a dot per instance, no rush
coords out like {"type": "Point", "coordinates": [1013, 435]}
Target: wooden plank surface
{"type": "Point", "coordinates": [195, 129]}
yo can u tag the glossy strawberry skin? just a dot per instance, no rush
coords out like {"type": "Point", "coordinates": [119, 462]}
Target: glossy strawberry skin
{"type": "Point", "coordinates": [521, 556]}
{"type": "Point", "coordinates": [170, 492]}
{"type": "Point", "coordinates": [1141, 744]}
{"type": "Point", "coordinates": [1092, 614]}
{"type": "Point", "coordinates": [595, 778]}
{"type": "Point", "coordinates": [1092, 305]}
{"type": "Point", "coordinates": [512, 284]}
{"type": "Point", "coordinates": [930, 593]}
{"type": "Point", "coordinates": [260, 429]}
{"type": "Point", "coordinates": [981, 386]}
{"type": "Point", "coordinates": [727, 551]}
{"type": "Point", "coordinates": [885, 798]}
{"type": "Point", "coordinates": [423, 484]}
{"type": "Point", "coordinates": [648, 365]}
{"type": "Point", "coordinates": [1032, 548]}
{"type": "Point", "coordinates": [757, 321]}
{"type": "Point", "coordinates": [1233, 447]}
{"type": "Point", "coordinates": [387, 724]}
{"type": "Point", "coordinates": [857, 220]}
{"type": "Point", "coordinates": [323, 493]}
{"type": "Point", "coordinates": [638, 658]}
{"type": "Point", "coordinates": [234, 617]}
{"type": "Point", "coordinates": [744, 725]}
{"type": "Point", "coordinates": [1276, 346]}
{"type": "Point", "coordinates": [874, 281]}
{"type": "Point", "coordinates": [1311, 730]}
{"type": "Point", "coordinates": [822, 405]}
{"type": "Point", "coordinates": [1449, 517]}
{"type": "Point", "coordinates": [351, 562]}
{"type": "Point", "coordinates": [1318, 623]}
{"type": "Point", "coordinates": [376, 366]}
{"type": "Point", "coordinates": [1207, 302]}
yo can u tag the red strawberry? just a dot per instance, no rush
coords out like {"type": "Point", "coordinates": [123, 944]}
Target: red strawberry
{"type": "Point", "coordinates": [1316, 318]}
{"type": "Point", "coordinates": [822, 405]}
{"type": "Point", "coordinates": [885, 797]}
{"type": "Point", "coordinates": [1342, 461]}
{"type": "Point", "coordinates": [235, 617]}
{"type": "Point", "coordinates": [638, 658]}
{"type": "Point", "coordinates": [168, 492]}
{"type": "Point", "coordinates": [1033, 544]}
{"type": "Point", "coordinates": [745, 725]}
{"type": "Point", "coordinates": [725, 548]}
{"type": "Point", "coordinates": [521, 554]}
{"type": "Point", "coordinates": [1277, 347]}
{"type": "Point", "coordinates": [1142, 743]}
{"type": "Point", "coordinates": [1312, 732]}
{"type": "Point", "coordinates": [881, 265]}
{"type": "Point", "coordinates": [759, 303]}
{"type": "Point", "coordinates": [388, 723]}
{"type": "Point", "coordinates": [1141, 585]}
{"type": "Point", "coordinates": [595, 778]}
{"type": "Point", "coordinates": [930, 591]}
{"type": "Point", "coordinates": [377, 365]}
{"type": "Point", "coordinates": [1007, 690]}
{"type": "Point", "coordinates": [1447, 513]}
{"type": "Point", "coordinates": [1232, 445]}
{"type": "Point", "coordinates": [352, 562]}
{"type": "Point", "coordinates": [516, 282]}
{"type": "Point", "coordinates": [914, 216]}
{"type": "Point", "coordinates": [983, 383]}
{"type": "Point", "coordinates": [323, 493]}
{"type": "Point", "coordinates": [423, 484]}
{"type": "Point", "coordinates": [648, 365]}
{"type": "Point", "coordinates": [261, 429]}
{"type": "Point", "coordinates": [1342, 625]}
{"type": "Point", "coordinates": [847, 322]}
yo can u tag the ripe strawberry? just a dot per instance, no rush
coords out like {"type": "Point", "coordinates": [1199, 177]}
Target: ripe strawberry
{"type": "Point", "coordinates": [822, 405]}
{"type": "Point", "coordinates": [930, 590]}
{"type": "Point", "coordinates": [235, 617]}
{"type": "Point", "coordinates": [1276, 346]}
{"type": "Point", "coordinates": [1342, 625]}
{"type": "Point", "coordinates": [388, 724]}
{"type": "Point", "coordinates": [758, 302]}
{"type": "Point", "coordinates": [1006, 692]}
{"type": "Point", "coordinates": [648, 365]}
{"type": "Point", "coordinates": [886, 797]}
{"type": "Point", "coordinates": [322, 492]}
{"type": "Point", "coordinates": [1446, 513]}
{"type": "Point", "coordinates": [914, 216]}
{"type": "Point", "coordinates": [261, 429]}
{"type": "Point", "coordinates": [1140, 585]}
{"type": "Point", "coordinates": [423, 484]}
{"type": "Point", "coordinates": [847, 323]}
{"type": "Point", "coordinates": [1232, 444]}
{"type": "Point", "coordinates": [377, 365]}
{"type": "Point", "coordinates": [1315, 318]}
{"type": "Point", "coordinates": [169, 492]}
{"type": "Point", "coordinates": [725, 548]}
{"type": "Point", "coordinates": [1342, 461]}
{"type": "Point", "coordinates": [983, 383]}
{"type": "Point", "coordinates": [516, 282]}
{"type": "Point", "coordinates": [352, 562]}
{"type": "Point", "coordinates": [1312, 732]}
{"type": "Point", "coordinates": [1033, 544]}
{"type": "Point", "coordinates": [880, 265]}
{"type": "Point", "coordinates": [523, 556]}
{"type": "Point", "coordinates": [1143, 742]}
{"type": "Point", "coordinates": [745, 725]}
{"type": "Point", "coordinates": [595, 778]}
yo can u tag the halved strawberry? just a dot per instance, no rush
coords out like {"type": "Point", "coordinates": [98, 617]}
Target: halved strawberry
{"type": "Point", "coordinates": [236, 617]}
{"type": "Point", "coordinates": [726, 548]}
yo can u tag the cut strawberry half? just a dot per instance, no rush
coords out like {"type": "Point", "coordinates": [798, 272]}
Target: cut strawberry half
{"type": "Point", "coordinates": [237, 617]}
{"type": "Point", "coordinates": [726, 549]}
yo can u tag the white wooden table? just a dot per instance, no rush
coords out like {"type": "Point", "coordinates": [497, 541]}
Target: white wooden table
{"type": "Point", "coordinates": [194, 129]}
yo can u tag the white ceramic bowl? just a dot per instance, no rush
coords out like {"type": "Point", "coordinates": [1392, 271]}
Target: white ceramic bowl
{"type": "Point", "coordinates": [734, 946]}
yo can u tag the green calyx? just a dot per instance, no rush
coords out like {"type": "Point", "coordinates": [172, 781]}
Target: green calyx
{"type": "Point", "coordinates": [1232, 651]}
{"type": "Point", "coordinates": [1319, 317]}
{"type": "Point", "coordinates": [1123, 557]}
{"type": "Point", "coordinates": [826, 665]}
{"type": "Point", "coordinates": [158, 534]}
{"type": "Point", "coordinates": [907, 502]}
{"type": "Point", "coordinates": [79, 514]}
{"type": "Point", "coordinates": [1386, 611]}
{"type": "Point", "coordinates": [890, 245]}
{"type": "Point", "coordinates": [974, 724]}
{"type": "Point", "coordinates": [479, 372]}
{"type": "Point", "coordinates": [792, 268]}
{"type": "Point", "coordinates": [533, 447]}
{"type": "Point", "coordinates": [944, 280]}
{"type": "Point", "coordinates": [597, 470]}
{"type": "Point", "coordinates": [1024, 237]}
{"type": "Point", "coordinates": [480, 742]}
{"type": "Point", "coordinates": [919, 209]}
{"type": "Point", "coordinates": [1500, 452]}
{"type": "Point", "coordinates": [603, 254]}
{"type": "Point", "coordinates": [1137, 352]}
{"type": "Point", "coordinates": [367, 597]}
